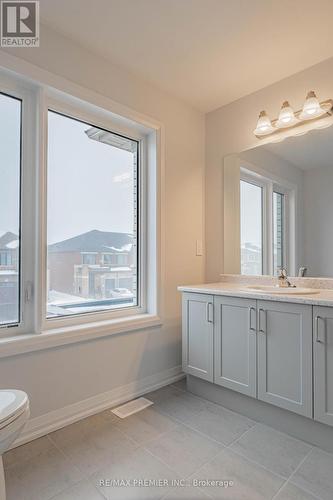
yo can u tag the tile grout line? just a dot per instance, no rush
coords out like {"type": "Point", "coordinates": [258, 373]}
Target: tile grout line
{"type": "Point", "coordinates": [72, 465]}
{"type": "Point", "coordinates": [215, 404]}
{"type": "Point", "coordinates": [200, 490]}
{"type": "Point", "coordinates": [164, 412]}
{"type": "Point", "coordinates": [70, 487]}
{"type": "Point", "coordinates": [138, 445]}
{"type": "Point", "coordinates": [276, 474]}
{"type": "Point", "coordinates": [64, 454]}
{"type": "Point", "coordinates": [224, 446]}
{"type": "Point", "coordinates": [280, 489]}
{"type": "Point", "coordinates": [149, 440]}
{"type": "Point", "coordinates": [240, 437]}
{"type": "Point", "coordinates": [179, 422]}
{"type": "Point", "coordinates": [68, 457]}
{"type": "Point", "coordinates": [229, 445]}
{"type": "Point", "coordinates": [85, 476]}
{"type": "Point", "coordinates": [286, 480]}
{"type": "Point", "coordinates": [168, 466]}
{"type": "Point", "coordinates": [292, 474]}
{"type": "Point", "coordinates": [297, 468]}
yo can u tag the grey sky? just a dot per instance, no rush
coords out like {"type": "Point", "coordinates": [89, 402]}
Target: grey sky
{"type": "Point", "coordinates": [90, 184]}
{"type": "Point", "coordinates": [10, 117]}
{"type": "Point", "coordinates": [250, 210]}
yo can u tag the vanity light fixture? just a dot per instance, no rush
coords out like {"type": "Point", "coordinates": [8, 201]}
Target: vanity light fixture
{"type": "Point", "coordinates": [312, 110]}
{"type": "Point", "coordinates": [264, 125]}
{"type": "Point", "coordinates": [286, 117]}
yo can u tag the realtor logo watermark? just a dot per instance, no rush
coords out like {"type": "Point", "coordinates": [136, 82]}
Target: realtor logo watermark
{"type": "Point", "coordinates": [19, 23]}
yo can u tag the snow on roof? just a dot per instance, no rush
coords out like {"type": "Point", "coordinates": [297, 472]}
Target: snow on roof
{"type": "Point", "coordinates": [117, 269]}
{"type": "Point", "coordinates": [56, 297]}
{"type": "Point", "coordinates": [92, 241]}
{"type": "Point", "coordinates": [124, 248]}
{"type": "Point", "coordinates": [7, 238]}
{"type": "Point", "coordinates": [13, 244]}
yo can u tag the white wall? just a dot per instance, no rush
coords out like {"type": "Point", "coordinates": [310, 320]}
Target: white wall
{"type": "Point", "coordinates": [230, 130]}
{"type": "Point", "coordinates": [57, 377]}
{"type": "Point", "coordinates": [318, 210]}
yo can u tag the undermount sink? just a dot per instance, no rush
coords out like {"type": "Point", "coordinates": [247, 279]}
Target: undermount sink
{"type": "Point", "coordinates": [279, 290]}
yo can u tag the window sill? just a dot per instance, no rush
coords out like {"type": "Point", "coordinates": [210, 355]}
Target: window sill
{"type": "Point", "coordinates": [20, 344]}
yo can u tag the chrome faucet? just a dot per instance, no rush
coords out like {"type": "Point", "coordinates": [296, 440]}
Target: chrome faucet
{"type": "Point", "coordinates": [302, 272]}
{"type": "Point", "coordinates": [283, 281]}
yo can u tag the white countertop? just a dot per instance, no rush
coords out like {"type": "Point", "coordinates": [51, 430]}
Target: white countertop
{"type": "Point", "coordinates": [323, 298]}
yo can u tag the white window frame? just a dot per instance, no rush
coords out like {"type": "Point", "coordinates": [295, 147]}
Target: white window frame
{"type": "Point", "coordinates": [287, 243]}
{"type": "Point", "coordinates": [18, 89]}
{"type": "Point", "coordinates": [269, 184]}
{"type": "Point", "coordinates": [97, 119]}
{"type": "Point", "coordinates": [74, 100]}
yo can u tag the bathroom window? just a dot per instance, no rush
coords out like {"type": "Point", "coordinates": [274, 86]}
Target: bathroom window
{"type": "Point", "coordinates": [92, 219]}
{"type": "Point", "coordinates": [10, 209]}
{"type": "Point", "coordinates": [80, 215]}
{"type": "Point", "coordinates": [251, 209]}
{"type": "Point", "coordinates": [265, 215]}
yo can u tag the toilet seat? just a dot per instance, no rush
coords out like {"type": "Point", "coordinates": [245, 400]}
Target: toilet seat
{"type": "Point", "coordinates": [12, 404]}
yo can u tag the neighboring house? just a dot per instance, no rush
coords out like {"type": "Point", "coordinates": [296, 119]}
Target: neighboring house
{"type": "Point", "coordinates": [251, 259]}
{"type": "Point", "coordinates": [9, 267]}
{"type": "Point", "coordinates": [92, 264]}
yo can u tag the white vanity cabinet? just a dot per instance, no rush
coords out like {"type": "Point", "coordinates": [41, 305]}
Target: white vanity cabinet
{"type": "Point", "coordinates": [235, 344]}
{"type": "Point", "coordinates": [323, 364]}
{"type": "Point", "coordinates": [198, 335]}
{"type": "Point", "coordinates": [260, 348]}
{"type": "Point", "coordinates": [285, 355]}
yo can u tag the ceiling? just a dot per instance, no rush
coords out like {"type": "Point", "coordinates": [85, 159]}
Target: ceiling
{"type": "Point", "coordinates": [309, 151]}
{"type": "Point", "coordinates": [206, 52]}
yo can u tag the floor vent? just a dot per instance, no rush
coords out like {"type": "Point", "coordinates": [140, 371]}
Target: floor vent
{"type": "Point", "coordinates": [131, 407]}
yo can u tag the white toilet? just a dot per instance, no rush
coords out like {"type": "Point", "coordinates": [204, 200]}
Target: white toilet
{"type": "Point", "coordinates": [14, 413]}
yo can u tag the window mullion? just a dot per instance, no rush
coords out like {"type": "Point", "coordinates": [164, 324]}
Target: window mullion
{"type": "Point", "coordinates": [269, 228]}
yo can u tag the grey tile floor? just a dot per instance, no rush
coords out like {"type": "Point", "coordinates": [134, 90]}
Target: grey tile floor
{"type": "Point", "coordinates": [180, 445]}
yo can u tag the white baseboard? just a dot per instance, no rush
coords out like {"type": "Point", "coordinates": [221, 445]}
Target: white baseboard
{"type": "Point", "coordinates": [40, 426]}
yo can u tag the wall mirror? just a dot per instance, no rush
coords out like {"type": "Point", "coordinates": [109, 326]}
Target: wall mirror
{"type": "Point", "coordinates": [278, 207]}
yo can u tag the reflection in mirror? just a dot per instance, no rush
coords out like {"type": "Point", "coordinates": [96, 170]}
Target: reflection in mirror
{"type": "Point", "coordinates": [278, 208]}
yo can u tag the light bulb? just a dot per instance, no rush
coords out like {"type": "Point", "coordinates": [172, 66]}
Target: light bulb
{"type": "Point", "coordinates": [286, 116]}
{"type": "Point", "coordinates": [264, 125]}
{"type": "Point", "coordinates": [311, 108]}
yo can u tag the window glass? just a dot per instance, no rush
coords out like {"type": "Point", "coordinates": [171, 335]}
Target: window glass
{"type": "Point", "coordinates": [88, 258]}
{"type": "Point", "coordinates": [10, 174]}
{"type": "Point", "coordinates": [91, 218]}
{"type": "Point", "coordinates": [251, 228]}
{"type": "Point", "coordinates": [278, 232]}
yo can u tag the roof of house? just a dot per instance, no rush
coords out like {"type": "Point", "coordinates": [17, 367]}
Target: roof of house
{"type": "Point", "coordinates": [94, 241]}
{"type": "Point", "coordinates": [8, 240]}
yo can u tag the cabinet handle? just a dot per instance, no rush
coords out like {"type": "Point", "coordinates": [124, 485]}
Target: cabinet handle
{"type": "Point", "coordinates": [251, 329]}
{"type": "Point", "coordinates": [208, 306]}
{"type": "Point", "coordinates": [261, 330]}
{"type": "Point", "coordinates": [317, 329]}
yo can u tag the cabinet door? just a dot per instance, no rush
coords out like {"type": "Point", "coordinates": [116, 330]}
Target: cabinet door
{"type": "Point", "coordinates": [198, 335]}
{"type": "Point", "coordinates": [323, 364]}
{"type": "Point", "coordinates": [235, 344]}
{"type": "Point", "coordinates": [285, 355]}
